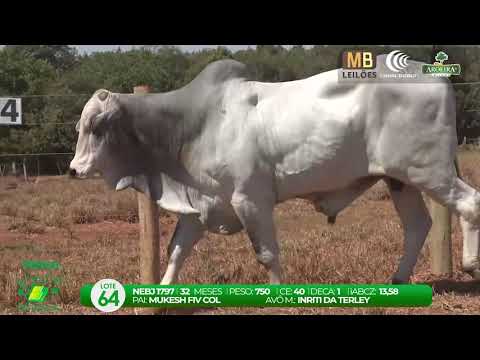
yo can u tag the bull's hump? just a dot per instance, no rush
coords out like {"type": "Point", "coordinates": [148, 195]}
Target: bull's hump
{"type": "Point", "coordinates": [220, 71]}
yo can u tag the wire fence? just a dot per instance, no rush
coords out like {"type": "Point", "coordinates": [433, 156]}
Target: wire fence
{"type": "Point", "coordinates": [130, 216]}
{"type": "Point", "coordinates": [44, 95]}
{"type": "Point", "coordinates": [35, 154]}
{"type": "Point", "coordinates": [49, 123]}
{"type": "Point", "coordinates": [34, 164]}
{"type": "Point", "coordinates": [59, 158]}
{"type": "Point", "coordinates": [38, 163]}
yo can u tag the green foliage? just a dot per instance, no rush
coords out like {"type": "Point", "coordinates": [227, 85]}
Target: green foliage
{"type": "Point", "coordinates": [121, 71]}
{"type": "Point", "coordinates": [23, 75]}
{"type": "Point", "coordinates": [59, 69]}
{"type": "Point", "coordinates": [198, 60]}
{"type": "Point", "coordinates": [61, 57]}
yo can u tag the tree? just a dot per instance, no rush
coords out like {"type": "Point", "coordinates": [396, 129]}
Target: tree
{"type": "Point", "coordinates": [61, 57]}
{"type": "Point", "coordinates": [199, 60]}
{"type": "Point", "coordinates": [23, 75]}
{"type": "Point", "coordinates": [120, 72]}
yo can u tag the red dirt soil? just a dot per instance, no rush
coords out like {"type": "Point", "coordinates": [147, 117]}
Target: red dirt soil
{"type": "Point", "coordinates": [362, 247]}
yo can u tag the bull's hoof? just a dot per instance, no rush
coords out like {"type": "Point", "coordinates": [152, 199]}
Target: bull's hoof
{"type": "Point", "coordinates": [332, 219]}
{"type": "Point", "coordinates": [475, 274]}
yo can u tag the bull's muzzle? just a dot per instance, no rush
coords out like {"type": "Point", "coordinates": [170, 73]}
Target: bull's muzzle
{"type": "Point", "coordinates": [72, 173]}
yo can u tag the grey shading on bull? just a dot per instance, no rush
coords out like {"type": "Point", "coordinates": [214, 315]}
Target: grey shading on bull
{"type": "Point", "coordinates": [223, 150]}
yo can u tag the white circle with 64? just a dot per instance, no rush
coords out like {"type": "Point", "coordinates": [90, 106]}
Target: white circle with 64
{"type": "Point", "coordinates": [107, 295]}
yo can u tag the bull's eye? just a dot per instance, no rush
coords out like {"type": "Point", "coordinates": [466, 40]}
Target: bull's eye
{"type": "Point", "coordinates": [95, 129]}
{"type": "Point", "coordinates": [96, 134]}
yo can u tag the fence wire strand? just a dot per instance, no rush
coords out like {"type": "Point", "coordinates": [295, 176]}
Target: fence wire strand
{"type": "Point", "coordinates": [35, 154]}
{"type": "Point", "coordinates": [44, 95]}
{"type": "Point", "coordinates": [48, 122]}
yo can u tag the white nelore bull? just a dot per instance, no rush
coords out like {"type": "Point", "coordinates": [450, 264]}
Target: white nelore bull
{"type": "Point", "coordinates": [223, 151]}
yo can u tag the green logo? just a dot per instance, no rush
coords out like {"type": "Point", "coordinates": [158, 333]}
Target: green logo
{"type": "Point", "coordinates": [38, 289]}
{"type": "Point", "coordinates": [439, 68]}
{"type": "Point", "coordinates": [38, 293]}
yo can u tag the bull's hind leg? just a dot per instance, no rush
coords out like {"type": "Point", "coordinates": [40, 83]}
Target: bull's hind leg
{"type": "Point", "coordinates": [188, 231]}
{"type": "Point", "coordinates": [416, 223]}
{"type": "Point", "coordinates": [464, 200]}
{"type": "Point", "coordinates": [471, 248]}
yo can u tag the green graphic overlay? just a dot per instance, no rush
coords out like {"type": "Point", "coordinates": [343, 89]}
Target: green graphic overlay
{"type": "Point", "coordinates": [439, 68]}
{"type": "Point", "coordinates": [39, 286]}
{"type": "Point", "coordinates": [38, 294]}
{"type": "Point", "coordinates": [40, 265]}
{"type": "Point", "coordinates": [449, 69]}
{"type": "Point", "coordinates": [185, 296]}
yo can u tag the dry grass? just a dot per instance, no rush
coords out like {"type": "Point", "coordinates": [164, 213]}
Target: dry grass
{"type": "Point", "coordinates": [91, 231]}
{"type": "Point", "coordinates": [62, 202]}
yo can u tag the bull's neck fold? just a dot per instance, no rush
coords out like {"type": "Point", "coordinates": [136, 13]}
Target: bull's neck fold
{"type": "Point", "coordinates": [158, 120]}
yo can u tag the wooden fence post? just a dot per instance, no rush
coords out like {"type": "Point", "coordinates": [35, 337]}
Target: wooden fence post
{"type": "Point", "coordinates": [440, 237]}
{"type": "Point", "coordinates": [25, 170]}
{"type": "Point", "coordinates": [149, 235]}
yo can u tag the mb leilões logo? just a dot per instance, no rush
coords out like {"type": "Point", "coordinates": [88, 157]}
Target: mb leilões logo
{"type": "Point", "coordinates": [358, 65]}
{"type": "Point", "coordinates": [439, 68]}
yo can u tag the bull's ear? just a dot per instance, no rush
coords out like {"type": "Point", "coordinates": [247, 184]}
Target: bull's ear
{"type": "Point", "coordinates": [102, 121]}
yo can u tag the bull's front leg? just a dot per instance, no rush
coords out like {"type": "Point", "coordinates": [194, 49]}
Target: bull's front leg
{"type": "Point", "coordinates": [187, 233]}
{"type": "Point", "coordinates": [256, 215]}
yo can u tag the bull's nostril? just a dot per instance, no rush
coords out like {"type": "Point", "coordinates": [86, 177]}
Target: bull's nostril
{"type": "Point", "coordinates": [72, 172]}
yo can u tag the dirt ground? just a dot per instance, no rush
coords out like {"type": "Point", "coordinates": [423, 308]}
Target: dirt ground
{"type": "Point", "coordinates": [93, 233]}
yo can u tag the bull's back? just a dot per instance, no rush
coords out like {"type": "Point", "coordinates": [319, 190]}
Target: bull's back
{"type": "Point", "coordinates": [310, 129]}
{"type": "Point", "coordinates": [411, 128]}
{"type": "Point", "coordinates": [322, 134]}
